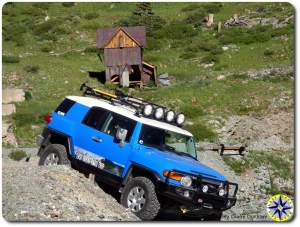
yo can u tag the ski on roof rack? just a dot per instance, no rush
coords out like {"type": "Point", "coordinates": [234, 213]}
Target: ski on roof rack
{"type": "Point", "coordinates": [142, 107]}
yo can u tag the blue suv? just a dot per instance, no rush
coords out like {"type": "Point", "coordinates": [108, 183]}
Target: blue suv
{"type": "Point", "coordinates": [139, 148]}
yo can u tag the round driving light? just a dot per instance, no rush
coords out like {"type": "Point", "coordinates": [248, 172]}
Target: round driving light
{"type": "Point", "coordinates": [221, 192]}
{"type": "Point", "coordinates": [148, 109]}
{"type": "Point", "coordinates": [159, 113]}
{"type": "Point", "coordinates": [186, 181]}
{"type": "Point", "coordinates": [205, 188]}
{"type": "Point", "coordinates": [170, 116]}
{"type": "Point", "coordinates": [180, 119]}
{"type": "Point", "coordinates": [186, 194]}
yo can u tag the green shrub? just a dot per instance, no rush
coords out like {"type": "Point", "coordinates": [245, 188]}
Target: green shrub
{"type": "Point", "coordinates": [210, 58]}
{"type": "Point", "coordinates": [17, 155]}
{"type": "Point", "coordinates": [177, 30]}
{"type": "Point", "coordinates": [219, 67]}
{"type": "Point", "coordinates": [91, 49]}
{"type": "Point", "coordinates": [268, 52]}
{"type": "Point", "coordinates": [195, 18]}
{"type": "Point", "coordinates": [286, 30]}
{"type": "Point", "coordinates": [14, 32]}
{"type": "Point", "coordinates": [42, 5]}
{"type": "Point", "coordinates": [48, 37]}
{"type": "Point", "coordinates": [68, 4]}
{"type": "Point", "coordinates": [27, 118]}
{"type": "Point", "coordinates": [188, 55]}
{"type": "Point", "coordinates": [201, 132]}
{"type": "Point", "coordinates": [44, 27]}
{"type": "Point", "coordinates": [91, 15]}
{"type": "Point", "coordinates": [238, 166]}
{"type": "Point", "coordinates": [61, 30]}
{"type": "Point", "coordinates": [203, 7]}
{"type": "Point", "coordinates": [31, 68]}
{"type": "Point", "coordinates": [28, 95]}
{"type": "Point", "coordinates": [34, 12]}
{"type": "Point", "coordinates": [10, 59]}
{"type": "Point", "coordinates": [192, 111]}
{"type": "Point", "coordinates": [245, 35]}
{"type": "Point", "coordinates": [46, 48]}
{"type": "Point", "coordinates": [154, 44]}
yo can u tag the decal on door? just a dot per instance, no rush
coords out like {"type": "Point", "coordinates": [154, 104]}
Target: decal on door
{"type": "Point", "coordinates": [98, 161]}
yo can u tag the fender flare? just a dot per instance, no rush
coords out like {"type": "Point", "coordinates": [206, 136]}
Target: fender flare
{"type": "Point", "coordinates": [144, 169]}
{"type": "Point", "coordinates": [49, 132]}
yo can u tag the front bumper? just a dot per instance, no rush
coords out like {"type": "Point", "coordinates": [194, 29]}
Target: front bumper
{"type": "Point", "coordinates": [197, 199]}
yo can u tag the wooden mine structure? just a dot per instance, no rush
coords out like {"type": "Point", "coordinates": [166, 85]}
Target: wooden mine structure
{"type": "Point", "coordinates": [123, 56]}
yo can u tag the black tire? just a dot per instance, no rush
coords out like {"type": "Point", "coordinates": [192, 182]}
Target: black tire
{"type": "Point", "coordinates": [152, 205]}
{"type": "Point", "coordinates": [213, 217]}
{"type": "Point", "coordinates": [57, 149]}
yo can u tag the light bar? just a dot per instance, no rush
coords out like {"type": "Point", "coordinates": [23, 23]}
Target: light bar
{"type": "Point", "coordinates": [180, 119]}
{"type": "Point", "coordinates": [170, 116]}
{"type": "Point", "coordinates": [159, 113]}
{"type": "Point", "coordinates": [148, 110]}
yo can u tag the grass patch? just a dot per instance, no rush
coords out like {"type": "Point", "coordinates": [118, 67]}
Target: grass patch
{"type": "Point", "coordinates": [277, 163]}
{"type": "Point", "coordinates": [17, 155]}
{"type": "Point", "coordinates": [10, 59]}
{"type": "Point", "coordinates": [201, 132]}
{"type": "Point", "coordinates": [32, 68]}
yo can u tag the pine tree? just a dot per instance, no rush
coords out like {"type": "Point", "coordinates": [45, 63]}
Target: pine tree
{"type": "Point", "coordinates": [143, 9]}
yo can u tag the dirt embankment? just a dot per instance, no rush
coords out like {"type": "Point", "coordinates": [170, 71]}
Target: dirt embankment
{"type": "Point", "coordinates": [58, 193]}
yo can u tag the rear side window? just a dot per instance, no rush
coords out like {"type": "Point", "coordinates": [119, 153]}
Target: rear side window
{"type": "Point", "coordinates": [95, 118]}
{"type": "Point", "coordinates": [65, 106]}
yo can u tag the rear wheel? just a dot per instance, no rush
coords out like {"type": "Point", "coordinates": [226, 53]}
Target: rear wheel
{"type": "Point", "coordinates": [54, 154]}
{"type": "Point", "coordinates": [140, 197]}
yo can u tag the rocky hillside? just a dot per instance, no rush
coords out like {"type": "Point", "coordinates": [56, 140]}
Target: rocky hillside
{"type": "Point", "coordinates": [33, 193]}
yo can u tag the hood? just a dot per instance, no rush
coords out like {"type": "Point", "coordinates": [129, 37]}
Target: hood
{"type": "Point", "coordinates": [170, 160]}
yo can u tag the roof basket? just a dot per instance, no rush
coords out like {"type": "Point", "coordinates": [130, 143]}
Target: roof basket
{"type": "Point", "coordinates": [142, 107]}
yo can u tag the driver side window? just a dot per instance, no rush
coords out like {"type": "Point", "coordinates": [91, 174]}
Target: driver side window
{"type": "Point", "coordinates": [116, 121]}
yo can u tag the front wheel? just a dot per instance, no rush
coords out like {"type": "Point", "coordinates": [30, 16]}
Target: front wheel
{"type": "Point", "coordinates": [54, 154]}
{"type": "Point", "coordinates": [213, 217]}
{"type": "Point", "coordinates": [140, 197]}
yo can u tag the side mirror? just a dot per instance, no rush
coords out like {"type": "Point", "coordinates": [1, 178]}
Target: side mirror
{"type": "Point", "coordinates": [121, 135]}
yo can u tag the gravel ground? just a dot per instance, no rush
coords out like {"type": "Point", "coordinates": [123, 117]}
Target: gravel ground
{"type": "Point", "coordinates": [58, 193]}
{"type": "Point", "coordinates": [251, 202]}
{"type": "Point", "coordinates": [33, 193]}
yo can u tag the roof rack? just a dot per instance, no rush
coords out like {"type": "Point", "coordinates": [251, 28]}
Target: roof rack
{"type": "Point", "coordinates": [142, 107]}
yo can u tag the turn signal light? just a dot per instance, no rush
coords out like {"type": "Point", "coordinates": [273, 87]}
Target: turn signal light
{"type": "Point", "coordinates": [172, 175]}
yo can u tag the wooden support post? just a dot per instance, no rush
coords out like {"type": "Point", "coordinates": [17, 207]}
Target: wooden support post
{"type": "Point", "coordinates": [219, 26]}
{"type": "Point", "coordinates": [210, 20]}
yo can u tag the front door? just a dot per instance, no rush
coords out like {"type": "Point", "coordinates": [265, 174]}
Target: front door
{"type": "Point", "coordinates": [96, 143]}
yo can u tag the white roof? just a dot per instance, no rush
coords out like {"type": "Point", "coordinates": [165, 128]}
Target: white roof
{"type": "Point", "coordinates": [127, 112]}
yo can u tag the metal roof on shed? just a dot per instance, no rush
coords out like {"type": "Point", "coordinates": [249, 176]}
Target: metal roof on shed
{"type": "Point", "coordinates": [104, 35]}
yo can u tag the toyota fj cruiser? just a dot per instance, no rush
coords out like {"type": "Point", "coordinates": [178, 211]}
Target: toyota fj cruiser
{"type": "Point", "coordinates": [138, 147]}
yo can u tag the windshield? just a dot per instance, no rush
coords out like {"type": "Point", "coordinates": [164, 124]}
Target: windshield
{"type": "Point", "coordinates": [167, 140]}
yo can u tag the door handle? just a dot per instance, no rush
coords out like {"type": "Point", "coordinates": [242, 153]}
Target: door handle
{"type": "Point", "coordinates": [96, 139]}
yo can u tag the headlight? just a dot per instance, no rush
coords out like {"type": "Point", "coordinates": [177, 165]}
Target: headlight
{"type": "Point", "coordinates": [148, 109]}
{"type": "Point", "coordinates": [180, 119]}
{"type": "Point", "coordinates": [159, 113]}
{"type": "Point", "coordinates": [170, 116]}
{"type": "Point", "coordinates": [221, 192]}
{"type": "Point", "coordinates": [186, 181]}
{"type": "Point", "coordinates": [205, 188]}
